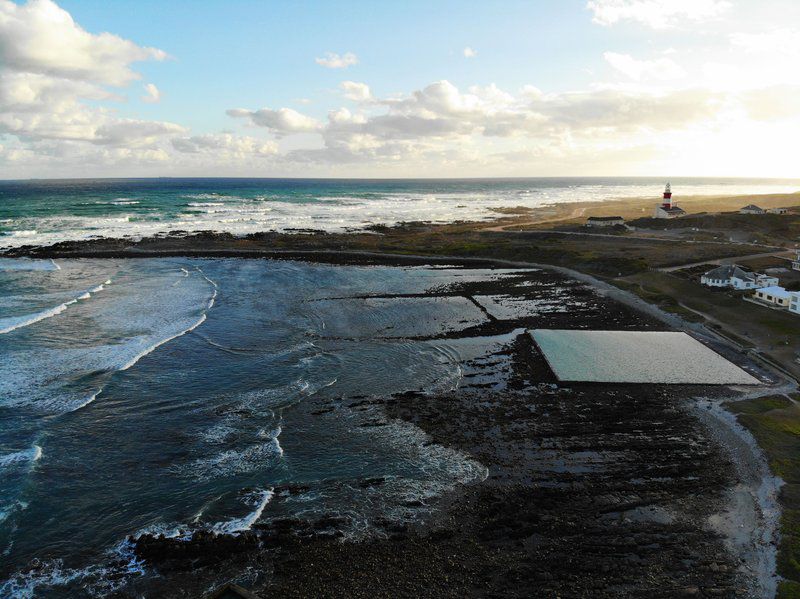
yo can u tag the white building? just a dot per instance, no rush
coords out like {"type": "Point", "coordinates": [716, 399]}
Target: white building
{"type": "Point", "coordinates": [775, 295]}
{"type": "Point", "coordinates": [736, 277]}
{"type": "Point", "coordinates": [778, 210]}
{"type": "Point", "coordinates": [751, 209]}
{"type": "Point", "coordinates": [752, 280]}
{"type": "Point", "coordinates": [668, 208]}
{"type": "Point", "coordinates": [604, 221]}
{"type": "Point", "coordinates": [794, 302]}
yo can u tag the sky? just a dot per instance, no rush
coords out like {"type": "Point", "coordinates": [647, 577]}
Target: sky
{"type": "Point", "coordinates": [91, 88]}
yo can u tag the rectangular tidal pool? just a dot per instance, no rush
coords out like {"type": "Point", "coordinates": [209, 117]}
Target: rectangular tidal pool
{"type": "Point", "coordinates": [635, 357]}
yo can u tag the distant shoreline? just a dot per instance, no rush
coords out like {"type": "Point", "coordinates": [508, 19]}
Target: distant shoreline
{"type": "Point", "coordinates": [510, 218]}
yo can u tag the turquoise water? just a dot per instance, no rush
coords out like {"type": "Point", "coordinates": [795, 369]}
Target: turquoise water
{"type": "Point", "coordinates": [44, 212]}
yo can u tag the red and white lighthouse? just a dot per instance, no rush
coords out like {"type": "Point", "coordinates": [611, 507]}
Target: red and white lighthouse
{"type": "Point", "coordinates": [667, 203]}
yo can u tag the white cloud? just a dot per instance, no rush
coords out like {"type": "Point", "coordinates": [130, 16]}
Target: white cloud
{"type": "Point", "coordinates": [470, 53]}
{"type": "Point", "coordinates": [777, 41]}
{"type": "Point", "coordinates": [658, 14]}
{"type": "Point", "coordinates": [51, 66]}
{"type": "Point", "coordinates": [225, 145]}
{"type": "Point", "coordinates": [152, 94]}
{"type": "Point", "coordinates": [332, 60]}
{"type": "Point", "coordinates": [133, 133]}
{"type": "Point", "coordinates": [40, 37]}
{"type": "Point", "coordinates": [358, 92]}
{"type": "Point", "coordinates": [283, 121]}
{"type": "Point", "coordinates": [440, 118]}
{"type": "Point", "coordinates": [641, 70]}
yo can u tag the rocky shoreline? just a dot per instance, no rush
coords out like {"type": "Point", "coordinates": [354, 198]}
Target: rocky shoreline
{"type": "Point", "coordinates": [592, 490]}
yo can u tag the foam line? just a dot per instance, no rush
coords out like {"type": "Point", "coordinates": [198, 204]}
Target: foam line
{"type": "Point", "coordinates": [216, 287]}
{"type": "Point", "coordinates": [87, 401]}
{"type": "Point", "coordinates": [29, 455]}
{"type": "Point", "coordinates": [17, 322]}
{"type": "Point", "coordinates": [246, 522]}
{"type": "Point", "coordinates": [142, 354]}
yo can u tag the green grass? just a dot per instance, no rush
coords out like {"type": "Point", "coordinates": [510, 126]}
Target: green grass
{"type": "Point", "coordinates": [788, 589]}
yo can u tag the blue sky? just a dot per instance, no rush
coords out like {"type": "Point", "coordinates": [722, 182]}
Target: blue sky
{"type": "Point", "coordinates": [257, 54]}
{"type": "Point", "coordinates": [616, 87]}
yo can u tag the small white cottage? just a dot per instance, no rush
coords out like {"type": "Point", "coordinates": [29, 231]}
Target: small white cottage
{"type": "Point", "coordinates": [775, 295]}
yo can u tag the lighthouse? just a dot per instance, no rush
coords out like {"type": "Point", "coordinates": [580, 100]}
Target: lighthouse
{"type": "Point", "coordinates": [668, 208]}
{"type": "Point", "coordinates": [667, 197]}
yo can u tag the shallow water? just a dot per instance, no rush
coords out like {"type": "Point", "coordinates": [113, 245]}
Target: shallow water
{"type": "Point", "coordinates": [175, 394]}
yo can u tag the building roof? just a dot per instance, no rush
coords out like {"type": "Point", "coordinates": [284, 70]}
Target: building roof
{"type": "Point", "coordinates": [732, 271]}
{"type": "Point", "coordinates": [606, 218]}
{"type": "Point", "coordinates": [726, 272]}
{"type": "Point", "coordinates": [776, 291]}
{"type": "Point", "coordinates": [740, 273]}
{"type": "Point", "coordinates": [751, 207]}
{"type": "Point", "coordinates": [673, 210]}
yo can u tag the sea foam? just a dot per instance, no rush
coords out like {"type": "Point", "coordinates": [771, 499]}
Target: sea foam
{"type": "Point", "coordinates": [260, 500]}
{"type": "Point", "coordinates": [12, 323]}
{"type": "Point", "coordinates": [20, 457]}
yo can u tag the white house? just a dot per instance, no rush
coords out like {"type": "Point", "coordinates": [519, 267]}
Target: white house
{"type": "Point", "coordinates": [734, 276]}
{"type": "Point", "coordinates": [778, 210]}
{"type": "Point", "coordinates": [751, 209]}
{"type": "Point", "coordinates": [794, 302]}
{"type": "Point", "coordinates": [752, 280]}
{"type": "Point", "coordinates": [604, 221]}
{"type": "Point", "coordinates": [668, 208]}
{"type": "Point", "coordinates": [718, 277]}
{"type": "Point", "coordinates": [775, 295]}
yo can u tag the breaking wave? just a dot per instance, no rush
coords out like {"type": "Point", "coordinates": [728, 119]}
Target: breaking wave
{"type": "Point", "coordinates": [29, 456]}
{"type": "Point", "coordinates": [13, 323]}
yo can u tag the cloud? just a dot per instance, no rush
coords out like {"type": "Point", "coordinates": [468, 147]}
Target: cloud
{"type": "Point", "coordinates": [773, 103]}
{"type": "Point", "coordinates": [640, 70]}
{"type": "Point", "coordinates": [657, 14]}
{"type": "Point", "coordinates": [152, 95]}
{"type": "Point", "coordinates": [470, 53]}
{"type": "Point", "coordinates": [52, 68]}
{"type": "Point", "coordinates": [777, 41]}
{"type": "Point", "coordinates": [283, 121]}
{"type": "Point", "coordinates": [358, 92]}
{"type": "Point", "coordinates": [332, 60]}
{"type": "Point", "coordinates": [225, 144]}
{"type": "Point", "coordinates": [132, 132]}
{"type": "Point", "coordinates": [440, 119]}
{"type": "Point", "coordinates": [40, 37]}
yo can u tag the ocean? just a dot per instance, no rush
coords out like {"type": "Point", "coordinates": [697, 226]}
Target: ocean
{"type": "Point", "coordinates": [45, 212]}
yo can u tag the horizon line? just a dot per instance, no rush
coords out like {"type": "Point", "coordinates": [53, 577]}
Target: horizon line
{"type": "Point", "coordinates": [496, 178]}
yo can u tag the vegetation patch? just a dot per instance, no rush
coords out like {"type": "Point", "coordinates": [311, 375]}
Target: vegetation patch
{"type": "Point", "coordinates": [775, 423]}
